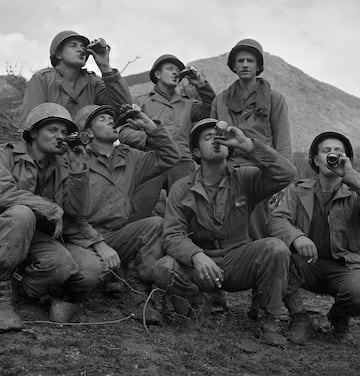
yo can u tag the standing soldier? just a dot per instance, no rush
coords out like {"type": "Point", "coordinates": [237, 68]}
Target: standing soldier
{"type": "Point", "coordinates": [177, 113]}
{"type": "Point", "coordinates": [206, 227]}
{"type": "Point", "coordinates": [66, 83]}
{"type": "Point", "coordinates": [259, 111]}
{"type": "Point", "coordinates": [44, 241]}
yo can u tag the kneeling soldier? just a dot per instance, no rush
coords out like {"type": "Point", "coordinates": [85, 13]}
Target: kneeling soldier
{"type": "Point", "coordinates": [319, 220]}
{"type": "Point", "coordinates": [206, 227]}
{"type": "Point", "coordinates": [45, 243]}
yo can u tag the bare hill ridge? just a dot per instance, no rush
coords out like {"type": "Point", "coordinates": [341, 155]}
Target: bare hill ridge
{"type": "Point", "coordinates": [314, 106]}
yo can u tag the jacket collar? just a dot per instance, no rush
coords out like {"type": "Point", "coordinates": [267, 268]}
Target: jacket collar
{"type": "Point", "coordinates": [97, 162]}
{"type": "Point", "coordinates": [157, 97]}
{"type": "Point", "coordinates": [197, 187]}
{"type": "Point", "coordinates": [80, 84]}
{"type": "Point", "coordinates": [306, 194]}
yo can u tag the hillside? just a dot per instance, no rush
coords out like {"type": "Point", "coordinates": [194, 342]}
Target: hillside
{"type": "Point", "coordinates": [314, 106]}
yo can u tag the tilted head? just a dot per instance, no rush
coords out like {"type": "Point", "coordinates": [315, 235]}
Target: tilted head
{"type": "Point", "coordinates": [165, 68]}
{"type": "Point", "coordinates": [59, 42]}
{"type": "Point", "coordinates": [325, 143]}
{"type": "Point", "coordinates": [45, 125]}
{"type": "Point", "coordinates": [201, 142]}
{"type": "Point", "coordinates": [99, 121]}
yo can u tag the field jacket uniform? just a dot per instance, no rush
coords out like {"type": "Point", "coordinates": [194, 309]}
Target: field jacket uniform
{"type": "Point", "coordinates": [18, 184]}
{"type": "Point", "coordinates": [190, 225]}
{"type": "Point", "coordinates": [113, 180]}
{"type": "Point", "coordinates": [263, 116]}
{"type": "Point", "coordinates": [50, 85]}
{"type": "Point", "coordinates": [177, 115]}
{"type": "Point", "coordinates": [292, 218]}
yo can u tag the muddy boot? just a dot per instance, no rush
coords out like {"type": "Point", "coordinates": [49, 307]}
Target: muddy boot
{"type": "Point", "coordinates": [150, 312]}
{"type": "Point", "coordinates": [270, 332]}
{"type": "Point", "coordinates": [217, 300]}
{"type": "Point", "coordinates": [300, 328]}
{"type": "Point", "coordinates": [62, 311]}
{"type": "Point", "coordinates": [300, 322]}
{"type": "Point", "coordinates": [253, 312]}
{"type": "Point", "coordinates": [340, 324]}
{"type": "Point", "coordinates": [9, 320]}
{"type": "Point", "coordinates": [181, 305]}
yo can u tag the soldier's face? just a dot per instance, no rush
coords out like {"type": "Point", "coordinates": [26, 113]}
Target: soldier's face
{"type": "Point", "coordinates": [245, 65]}
{"type": "Point", "coordinates": [330, 145]}
{"type": "Point", "coordinates": [72, 53]}
{"type": "Point", "coordinates": [167, 74]}
{"type": "Point", "coordinates": [102, 127]}
{"type": "Point", "coordinates": [208, 151]}
{"type": "Point", "coordinates": [47, 138]}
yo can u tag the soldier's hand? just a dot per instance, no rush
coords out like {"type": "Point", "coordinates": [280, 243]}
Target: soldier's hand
{"type": "Point", "coordinates": [101, 56]}
{"type": "Point", "coordinates": [141, 121]}
{"type": "Point", "coordinates": [305, 247]}
{"type": "Point", "coordinates": [195, 78]}
{"type": "Point", "coordinates": [235, 138]}
{"type": "Point", "coordinates": [108, 255]}
{"type": "Point", "coordinates": [343, 167]}
{"type": "Point", "coordinates": [77, 158]}
{"type": "Point", "coordinates": [207, 269]}
{"type": "Point", "coordinates": [58, 228]}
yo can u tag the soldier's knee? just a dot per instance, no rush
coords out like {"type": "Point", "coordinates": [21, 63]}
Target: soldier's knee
{"type": "Point", "coordinates": [354, 293]}
{"type": "Point", "coordinates": [90, 275]}
{"type": "Point", "coordinates": [155, 223]}
{"type": "Point", "coordinates": [164, 271]}
{"type": "Point", "coordinates": [277, 248]}
{"type": "Point", "coordinates": [61, 266]}
{"type": "Point", "coordinates": [22, 217]}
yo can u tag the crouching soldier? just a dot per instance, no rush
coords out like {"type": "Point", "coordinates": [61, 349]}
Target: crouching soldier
{"type": "Point", "coordinates": [44, 242]}
{"type": "Point", "coordinates": [206, 227]}
{"type": "Point", "coordinates": [319, 220]}
{"type": "Point", "coordinates": [115, 173]}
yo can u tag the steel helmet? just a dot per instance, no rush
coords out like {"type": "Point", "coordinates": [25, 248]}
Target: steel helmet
{"type": "Point", "coordinates": [87, 113]}
{"type": "Point", "coordinates": [249, 45]}
{"type": "Point", "coordinates": [59, 39]}
{"type": "Point", "coordinates": [44, 113]}
{"type": "Point", "coordinates": [162, 60]}
{"type": "Point", "coordinates": [197, 128]}
{"type": "Point", "coordinates": [324, 136]}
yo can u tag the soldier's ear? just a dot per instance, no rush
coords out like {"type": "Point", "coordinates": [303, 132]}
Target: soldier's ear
{"type": "Point", "coordinates": [157, 74]}
{"type": "Point", "coordinates": [196, 153]}
{"type": "Point", "coordinates": [33, 133]}
{"type": "Point", "coordinates": [316, 160]}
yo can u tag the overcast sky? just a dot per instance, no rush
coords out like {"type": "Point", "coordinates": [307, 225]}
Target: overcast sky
{"type": "Point", "coordinates": [321, 37]}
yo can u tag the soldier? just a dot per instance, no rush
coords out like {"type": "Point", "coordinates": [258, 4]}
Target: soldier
{"type": "Point", "coordinates": [206, 227]}
{"type": "Point", "coordinates": [68, 84]}
{"type": "Point", "coordinates": [319, 220]}
{"type": "Point", "coordinates": [44, 242]}
{"type": "Point", "coordinates": [115, 173]}
{"type": "Point", "coordinates": [259, 111]}
{"type": "Point", "coordinates": [177, 113]}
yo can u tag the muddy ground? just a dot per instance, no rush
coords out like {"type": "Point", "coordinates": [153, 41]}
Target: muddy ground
{"type": "Point", "coordinates": [223, 344]}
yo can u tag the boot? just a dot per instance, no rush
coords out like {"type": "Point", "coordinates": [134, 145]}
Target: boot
{"type": "Point", "coordinates": [62, 311]}
{"type": "Point", "coordinates": [300, 322]}
{"type": "Point", "coordinates": [340, 323]}
{"type": "Point", "coordinates": [9, 320]}
{"type": "Point", "coordinates": [300, 328]}
{"type": "Point", "coordinates": [270, 332]}
{"type": "Point", "coordinates": [217, 300]}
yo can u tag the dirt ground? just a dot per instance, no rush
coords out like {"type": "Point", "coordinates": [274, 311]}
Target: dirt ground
{"type": "Point", "coordinates": [223, 344]}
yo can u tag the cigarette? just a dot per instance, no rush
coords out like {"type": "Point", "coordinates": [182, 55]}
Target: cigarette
{"type": "Point", "coordinates": [310, 260]}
